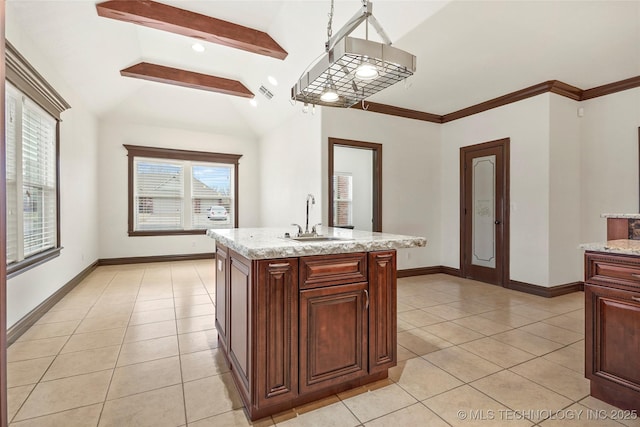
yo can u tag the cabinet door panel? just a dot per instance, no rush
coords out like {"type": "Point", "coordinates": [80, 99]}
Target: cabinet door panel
{"type": "Point", "coordinates": [221, 295]}
{"type": "Point", "coordinates": [382, 311]}
{"type": "Point", "coordinates": [614, 343]}
{"type": "Point", "coordinates": [240, 318]}
{"type": "Point", "coordinates": [277, 331]}
{"type": "Point", "coordinates": [333, 335]}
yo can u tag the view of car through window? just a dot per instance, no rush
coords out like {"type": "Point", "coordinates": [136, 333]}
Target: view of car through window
{"type": "Point", "coordinates": [217, 213]}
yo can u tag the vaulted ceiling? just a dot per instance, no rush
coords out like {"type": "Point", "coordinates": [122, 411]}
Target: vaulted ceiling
{"type": "Point", "coordinates": [467, 52]}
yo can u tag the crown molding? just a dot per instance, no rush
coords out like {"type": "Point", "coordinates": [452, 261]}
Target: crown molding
{"type": "Point", "coordinates": [554, 86]}
{"type": "Point", "coordinates": [398, 111]}
{"type": "Point", "coordinates": [566, 90]}
{"type": "Point", "coordinates": [499, 101]}
{"type": "Point", "coordinates": [610, 88]}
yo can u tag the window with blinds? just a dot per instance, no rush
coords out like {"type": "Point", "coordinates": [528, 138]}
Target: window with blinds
{"type": "Point", "coordinates": [175, 192]}
{"type": "Point", "coordinates": [159, 195]}
{"type": "Point", "coordinates": [342, 202]}
{"type": "Point", "coordinates": [33, 111]}
{"type": "Point", "coordinates": [31, 150]}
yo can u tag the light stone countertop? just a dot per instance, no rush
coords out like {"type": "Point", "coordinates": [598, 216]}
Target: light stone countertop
{"type": "Point", "coordinates": [627, 215]}
{"type": "Point", "coordinates": [267, 243]}
{"type": "Point", "coordinates": [622, 246]}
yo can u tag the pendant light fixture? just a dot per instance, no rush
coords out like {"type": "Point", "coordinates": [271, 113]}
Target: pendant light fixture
{"type": "Point", "coordinates": [352, 69]}
{"type": "Point", "coordinates": [329, 94]}
{"type": "Point", "coordinates": [366, 71]}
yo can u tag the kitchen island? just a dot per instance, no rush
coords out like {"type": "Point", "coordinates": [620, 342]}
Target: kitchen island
{"type": "Point", "coordinates": [299, 320]}
{"type": "Point", "coordinates": [612, 311]}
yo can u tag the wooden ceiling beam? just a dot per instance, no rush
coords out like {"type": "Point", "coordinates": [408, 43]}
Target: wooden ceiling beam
{"type": "Point", "coordinates": [178, 77]}
{"type": "Point", "coordinates": [179, 21]}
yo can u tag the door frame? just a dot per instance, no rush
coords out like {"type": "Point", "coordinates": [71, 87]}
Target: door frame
{"type": "Point", "coordinates": [504, 143]}
{"type": "Point", "coordinates": [4, 421]}
{"type": "Point", "coordinates": [377, 177]}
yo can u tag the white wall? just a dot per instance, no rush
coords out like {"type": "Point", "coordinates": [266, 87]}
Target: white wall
{"type": "Point", "coordinates": [290, 159]}
{"type": "Point", "coordinates": [410, 175]}
{"type": "Point", "coordinates": [526, 123]}
{"type": "Point", "coordinates": [609, 160]}
{"type": "Point", "coordinates": [113, 204]}
{"type": "Point", "coordinates": [78, 194]}
{"type": "Point", "coordinates": [358, 163]}
{"type": "Point", "coordinates": [565, 258]}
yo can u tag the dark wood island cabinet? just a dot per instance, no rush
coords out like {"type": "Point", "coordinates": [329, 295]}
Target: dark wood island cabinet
{"type": "Point", "coordinates": [612, 336]}
{"type": "Point", "coordinates": [299, 328]}
{"type": "Point", "coordinates": [612, 313]}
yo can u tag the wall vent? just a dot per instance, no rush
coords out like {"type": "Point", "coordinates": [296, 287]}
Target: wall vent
{"type": "Point", "coordinates": [266, 92]}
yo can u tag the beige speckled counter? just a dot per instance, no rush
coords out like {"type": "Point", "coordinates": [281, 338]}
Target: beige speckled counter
{"type": "Point", "coordinates": [621, 246]}
{"type": "Point", "coordinates": [266, 243]}
{"type": "Point", "coordinates": [621, 216]}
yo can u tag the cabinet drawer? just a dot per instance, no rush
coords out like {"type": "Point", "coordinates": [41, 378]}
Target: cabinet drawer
{"type": "Point", "coordinates": [612, 270]}
{"type": "Point", "coordinates": [329, 270]}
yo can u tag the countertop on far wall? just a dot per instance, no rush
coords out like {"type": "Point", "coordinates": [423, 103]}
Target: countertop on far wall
{"type": "Point", "coordinates": [625, 216]}
{"type": "Point", "coordinates": [266, 243]}
{"type": "Point", "coordinates": [622, 246]}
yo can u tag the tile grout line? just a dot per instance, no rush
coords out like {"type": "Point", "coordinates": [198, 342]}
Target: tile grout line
{"type": "Point", "coordinates": [56, 356]}
{"type": "Point", "coordinates": [184, 395]}
{"type": "Point", "coordinates": [106, 394]}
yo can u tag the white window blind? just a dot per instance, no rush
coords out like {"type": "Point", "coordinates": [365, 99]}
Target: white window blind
{"type": "Point", "coordinates": [31, 177]}
{"type": "Point", "coordinates": [342, 202]}
{"type": "Point", "coordinates": [158, 195]}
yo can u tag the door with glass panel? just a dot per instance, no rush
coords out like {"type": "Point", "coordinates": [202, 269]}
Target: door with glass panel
{"type": "Point", "coordinates": [484, 212]}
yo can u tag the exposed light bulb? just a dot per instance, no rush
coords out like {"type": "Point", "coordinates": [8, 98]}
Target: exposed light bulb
{"type": "Point", "coordinates": [305, 108]}
{"type": "Point", "coordinates": [272, 80]}
{"type": "Point", "coordinates": [366, 71]}
{"type": "Point", "coordinates": [253, 102]}
{"type": "Point", "coordinates": [329, 95]}
{"type": "Point", "coordinates": [197, 47]}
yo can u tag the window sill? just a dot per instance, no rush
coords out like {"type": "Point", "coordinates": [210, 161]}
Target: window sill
{"type": "Point", "coordinates": [166, 232]}
{"type": "Point", "coordinates": [32, 262]}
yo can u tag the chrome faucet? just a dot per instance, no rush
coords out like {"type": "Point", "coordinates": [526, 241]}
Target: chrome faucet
{"type": "Point", "coordinates": [313, 202]}
{"type": "Point", "coordinates": [306, 232]}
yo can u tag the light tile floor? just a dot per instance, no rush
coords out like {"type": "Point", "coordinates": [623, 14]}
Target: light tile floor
{"type": "Point", "coordinates": [136, 346]}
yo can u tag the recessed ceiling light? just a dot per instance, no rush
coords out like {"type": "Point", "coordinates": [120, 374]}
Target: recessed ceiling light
{"type": "Point", "coordinates": [253, 102]}
{"type": "Point", "coordinates": [272, 80]}
{"type": "Point", "coordinates": [197, 47]}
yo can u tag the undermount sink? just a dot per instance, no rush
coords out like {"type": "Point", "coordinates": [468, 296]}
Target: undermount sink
{"type": "Point", "coordinates": [318, 238]}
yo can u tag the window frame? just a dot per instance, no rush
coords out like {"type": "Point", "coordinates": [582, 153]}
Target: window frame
{"type": "Point", "coordinates": [21, 74]}
{"type": "Point", "coordinates": [134, 151]}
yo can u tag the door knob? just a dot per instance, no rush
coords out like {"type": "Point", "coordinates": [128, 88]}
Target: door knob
{"type": "Point", "coordinates": [497, 222]}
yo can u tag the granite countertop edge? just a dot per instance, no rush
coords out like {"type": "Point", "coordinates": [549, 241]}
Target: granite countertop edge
{"type": "Point", "coordinates": [621, 215]}
{"type": "Point", "coordinates": [266, 243]}
{"type": "Point", "coordinates": [621, 246]}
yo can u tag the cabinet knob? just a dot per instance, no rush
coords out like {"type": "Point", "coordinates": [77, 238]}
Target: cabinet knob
{"type": "Point", "coordinates": [366, 293]}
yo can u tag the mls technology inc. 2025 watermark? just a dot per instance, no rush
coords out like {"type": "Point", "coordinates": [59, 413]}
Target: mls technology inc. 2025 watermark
{"type": "Point", "coordinates": [545, 414]}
